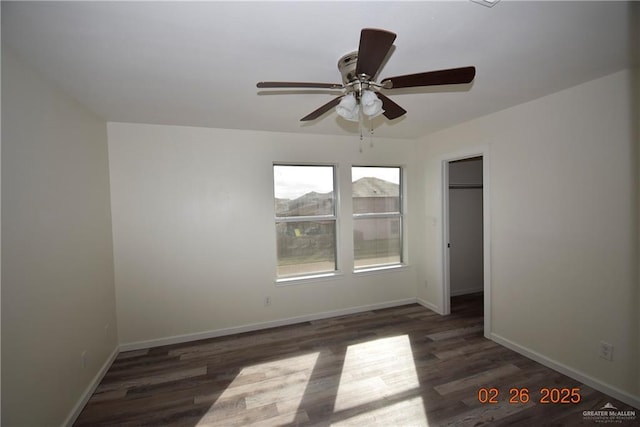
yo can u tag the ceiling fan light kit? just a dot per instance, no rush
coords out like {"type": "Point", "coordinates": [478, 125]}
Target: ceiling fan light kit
{"type": "Point", "coordinates": [361, 92]}
{"type": "Point", "coordinates": [371, 104]}
{"type": "Point", "coordinates": [349, 108]}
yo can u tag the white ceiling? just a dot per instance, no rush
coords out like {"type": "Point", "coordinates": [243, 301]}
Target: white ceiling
{"type": "Point", "coordinates": [197, 63]}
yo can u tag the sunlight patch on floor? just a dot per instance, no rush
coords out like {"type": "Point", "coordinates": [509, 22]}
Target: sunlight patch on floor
{"type": "Point", "coordinates": [268, 390]}
{"type": "Point", "coordinates": [373, 374]}
{"type": "Point", "coordinates": [393, 414]}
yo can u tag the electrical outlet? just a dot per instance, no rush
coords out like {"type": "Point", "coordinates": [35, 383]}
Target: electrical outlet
{"type": "Point", "coordinates": [83, 359]}
{"type": "Point", "coordinates": [606, 351]}
{"type": "Point", "coordinates": [106, 329]}
{"type": "Point", "coordinates": [267, 301]}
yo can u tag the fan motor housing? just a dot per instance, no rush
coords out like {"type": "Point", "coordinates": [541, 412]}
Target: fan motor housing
{"type": "Point", "coordinates": [347, 66]}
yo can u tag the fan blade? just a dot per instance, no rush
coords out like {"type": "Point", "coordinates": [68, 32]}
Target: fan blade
{"type": "Point", "coordinates": [272, 85]}
{"type": "Point", "coordinates": [320, 111]}
{"type": "Point", "coordinates": [432, 78]}
{"type": "Point", "coordinates": [374, 46]}
{"type": "Point", "coordinates": [391, 109]}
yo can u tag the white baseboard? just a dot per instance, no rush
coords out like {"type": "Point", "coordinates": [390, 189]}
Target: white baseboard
{"type": "Point", "coordinates": [570, 372]}
{"type": "Point", "coordinates": [430, 306]}
{"type": "Point", "coordinates": [84, 398]}
{"type": "Point", "coordinates": [258, 326]}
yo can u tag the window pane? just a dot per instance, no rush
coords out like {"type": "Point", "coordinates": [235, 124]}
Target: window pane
{"type": "Point", "coordinates": [377, 241]}
{"type": "Point", "coordinates": [303, 190]}
{"type": "Point", "coordinates": [375, 189]}
{"type": "Point", "coordinates": [306, 247]}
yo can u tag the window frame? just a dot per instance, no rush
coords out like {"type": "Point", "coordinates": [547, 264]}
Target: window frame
{"type": "Point", "coordinates": [305, 277]}
{"type": "Point", "coordinates": [383, 215]}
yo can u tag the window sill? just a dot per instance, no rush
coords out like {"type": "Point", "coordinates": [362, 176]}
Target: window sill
{"type": "Point", "coordinates": [380, 269]}
{"type": "Point", "coordinates": [298, 280]}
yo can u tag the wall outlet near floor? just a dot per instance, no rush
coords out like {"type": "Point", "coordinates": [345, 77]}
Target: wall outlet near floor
{"type": "Point", "coordinates": [267, 301]}
{"type": "Point", "coordinates": [606, 350]}
{"type": "Point", "coordinates": [83, 359]}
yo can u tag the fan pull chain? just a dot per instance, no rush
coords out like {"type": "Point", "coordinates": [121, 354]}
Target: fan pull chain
{"type": "Point", "coordinates": [370, 132]}
{"type": "Point", "coordinates": [360, 127]}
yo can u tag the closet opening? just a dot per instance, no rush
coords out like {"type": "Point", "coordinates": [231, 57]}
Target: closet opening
{"type": "Point", "coordinates": [464, 227]}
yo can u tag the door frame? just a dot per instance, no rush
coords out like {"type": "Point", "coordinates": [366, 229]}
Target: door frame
{"type": "Point", "coordinates": [486, 232]}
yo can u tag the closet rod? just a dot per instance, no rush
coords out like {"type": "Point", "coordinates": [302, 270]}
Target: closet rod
{"type": "Point", "coordinates": [463, 186]}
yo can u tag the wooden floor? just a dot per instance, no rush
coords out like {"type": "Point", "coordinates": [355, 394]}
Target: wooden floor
{"type": "Point", "coordinates": [403, 366]}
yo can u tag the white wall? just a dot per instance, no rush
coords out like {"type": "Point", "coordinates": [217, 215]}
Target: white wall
{"type": "Point", "coordinates": [57, 264]}
{"type": "Point", "coordinates": [194, 232]}
{"type": "Point", "coordinates": [564, 226]}
{"type": "Point", "coordinates": [465, 227]}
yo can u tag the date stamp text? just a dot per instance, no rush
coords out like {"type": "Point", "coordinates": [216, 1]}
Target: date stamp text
{"type": "Point", "coordinates": [520, 395]}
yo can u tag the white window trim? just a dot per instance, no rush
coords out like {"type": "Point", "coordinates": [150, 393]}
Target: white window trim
{"type": "Point", "coordinates": [295, 279]}
{"type": "Point", "coordinates": [381, 269]}
{"type": "Point", "coordinates": [376, 268]}
{"type": "Point", "coordinates": [305, 279]}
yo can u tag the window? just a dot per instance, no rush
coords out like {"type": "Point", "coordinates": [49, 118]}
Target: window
{"type": "Point", "coordinates": [377, 216]}
{"type": "Point", "coordinates": [305, 206]}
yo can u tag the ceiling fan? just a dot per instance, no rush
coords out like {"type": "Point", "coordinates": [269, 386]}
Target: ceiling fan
{"type": "Point", "coordinates": [358, 70]}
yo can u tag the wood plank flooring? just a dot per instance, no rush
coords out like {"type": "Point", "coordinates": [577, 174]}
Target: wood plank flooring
{"type": "Point", "coordinates": [402, 366]}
